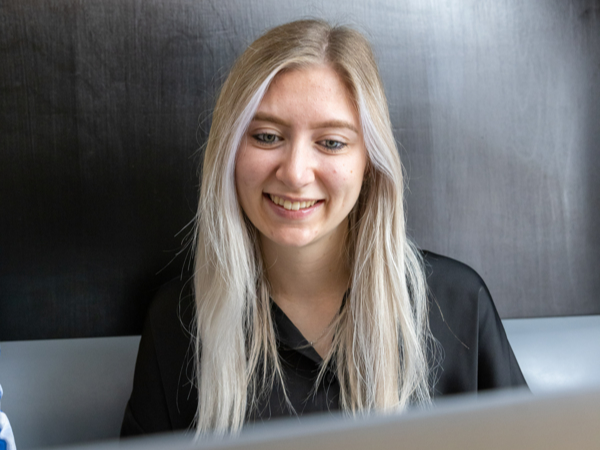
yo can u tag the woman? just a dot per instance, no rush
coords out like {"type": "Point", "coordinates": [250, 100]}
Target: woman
{"type": "Point", "coordinates": [307, 294]}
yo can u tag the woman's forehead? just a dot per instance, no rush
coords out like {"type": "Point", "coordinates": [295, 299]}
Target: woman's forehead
{"type": "Point", "coordinates": [313, 92]}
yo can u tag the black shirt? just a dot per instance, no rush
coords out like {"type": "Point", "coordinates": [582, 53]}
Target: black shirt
{"type": "Point", "coordinates": [475, 354]}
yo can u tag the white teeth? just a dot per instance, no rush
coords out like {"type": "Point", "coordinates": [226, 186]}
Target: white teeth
{"type": "Point", "coordinates": [291, 206]}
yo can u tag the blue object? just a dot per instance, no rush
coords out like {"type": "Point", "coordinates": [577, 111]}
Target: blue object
{"type": "Point", "coordinates": [7, 439]}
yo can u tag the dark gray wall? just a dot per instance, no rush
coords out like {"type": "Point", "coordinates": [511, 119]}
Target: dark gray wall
{"type": "Point", "coordinates": [496, 105]}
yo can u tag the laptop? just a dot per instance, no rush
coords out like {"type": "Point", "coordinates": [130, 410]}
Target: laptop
{"type": "Point", "coordinates": [499, 420]}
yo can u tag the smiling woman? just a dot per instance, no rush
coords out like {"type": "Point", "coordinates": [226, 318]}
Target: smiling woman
{"type": "Point", "coordinates": [300, 167]}
{"type": "Point", "coordinates": [307, 294]}
{"type": "Point", "coordinates": [298, 174]}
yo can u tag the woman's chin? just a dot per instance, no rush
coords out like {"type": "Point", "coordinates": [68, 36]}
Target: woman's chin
{"type": "Point", "coordinates": [320, 237]}
{"type": "Point", "coordinates": [296, 239]}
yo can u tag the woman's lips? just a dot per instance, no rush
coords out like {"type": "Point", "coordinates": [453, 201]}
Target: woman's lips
{"type": "Point", "coordinates": [292, 209]}
{"type": "Point", "coordinates": [291, 205]}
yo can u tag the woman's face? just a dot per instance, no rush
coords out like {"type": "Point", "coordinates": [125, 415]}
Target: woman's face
{"type": "Point", "coordinates": [300, 167]}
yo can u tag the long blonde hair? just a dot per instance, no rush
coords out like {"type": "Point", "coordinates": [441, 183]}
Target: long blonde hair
{"type": "Point", "coordinates": [382, 333]}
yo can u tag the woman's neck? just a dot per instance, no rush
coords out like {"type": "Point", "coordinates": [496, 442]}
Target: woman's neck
{"type": "Point", "coordinates": [309, 283]}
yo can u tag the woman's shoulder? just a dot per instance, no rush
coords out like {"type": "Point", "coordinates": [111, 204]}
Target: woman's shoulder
{"type": "Point", "coordinates": [164, 395]}
{"type": "Point", "coordinates": [170, 326]}
{"type": "Point", "coordinates": [463, 318]}
{"type": "Point", "coordinates": [172, 307]}
{"type": "Point", "coordinates": [448, 275]}
{"type": "Point", "coordinates": [456, 292]}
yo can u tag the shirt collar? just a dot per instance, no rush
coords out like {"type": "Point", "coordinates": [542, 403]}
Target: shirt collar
{"type": "Point", "coordinates": [287, 334]}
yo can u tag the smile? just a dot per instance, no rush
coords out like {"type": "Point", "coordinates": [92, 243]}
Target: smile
{"type": "Point", "coordinates": [291, 206]}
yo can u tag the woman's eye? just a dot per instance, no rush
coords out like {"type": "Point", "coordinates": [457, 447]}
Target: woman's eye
{"type": "Point", "coordinates": [331, 144]}
{"type": "Point", "coordinates": [266, 138]}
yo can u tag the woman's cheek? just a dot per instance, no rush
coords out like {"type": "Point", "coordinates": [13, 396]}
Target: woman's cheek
{"type": "Point", "coordinates": [247, 169]}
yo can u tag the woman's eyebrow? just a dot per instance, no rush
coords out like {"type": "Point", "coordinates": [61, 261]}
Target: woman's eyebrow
{"type": "Point", "coordinates": [269, 118]}
{"type": "Point", "coordinates": [336, 124]}
{"type": "Point", "coordinates": [327, 124]}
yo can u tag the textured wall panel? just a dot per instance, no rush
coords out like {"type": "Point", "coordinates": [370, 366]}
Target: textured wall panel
{"type": "Point", "coordinates": [104, 104]}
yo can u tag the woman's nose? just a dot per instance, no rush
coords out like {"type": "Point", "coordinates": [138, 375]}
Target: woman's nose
{"type": "Point", "coordinates": [296, 166]}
